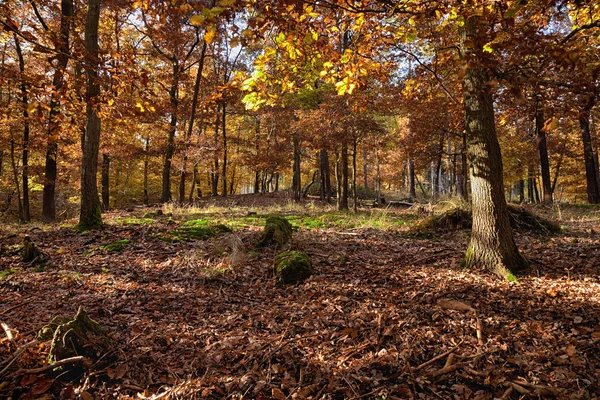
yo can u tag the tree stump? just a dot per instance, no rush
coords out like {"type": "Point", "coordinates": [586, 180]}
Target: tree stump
{"type": "Point", "coordinates": [277, 231]}
{"type": "Point", "coordinates": [30, 252]}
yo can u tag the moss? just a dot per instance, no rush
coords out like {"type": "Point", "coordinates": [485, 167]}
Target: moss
{"type": "Point", "coordinates": [8, 272]}
{"type": "Point", "coordinates": [80, 336]}
{"type": "Point", "coordinates": [115, 246]}
{"type": "Point", "coordinates": [190, 232]}
{"type": "Point", "coordinates": [292, 267]}
{"type": "Point", "coordinates": [93, 224]}
{"type": "Point", "coordinates": [277, 231]}
{"type": "Point", "coordinates": [136, 221]}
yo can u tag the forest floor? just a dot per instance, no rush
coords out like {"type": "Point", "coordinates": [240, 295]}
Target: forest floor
{"type": "Point", "coordinates": [387, 314]}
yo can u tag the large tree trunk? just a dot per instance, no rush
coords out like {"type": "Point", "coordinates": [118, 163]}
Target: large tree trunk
{"type": "Point", "coordinates": [165, 195]}
{"type": "Point", "coordinates": [106, 182]}
{"type": "Point", "coordinates": [90, 214]}
{"type": "Point", "coordinates": [591, 174]}
{"type": "Point", "coordinates": [343, 194]}
{"type": "Point", "coordinates": [62, 59]}
{"type": "Point", "coordinates": [25, 105]}
{"type": "Point", "coordinates": [296, 172]}
{"type": "Point", "coordinates": [543, 148]}
{"type": "Point", "coordinates": [492, 242]}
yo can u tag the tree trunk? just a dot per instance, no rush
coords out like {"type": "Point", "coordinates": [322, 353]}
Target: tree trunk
{"type": "Point", "coordinates": [436, 184]}
{"type": "Point", "coordinates": [256, 181]}
{"type": "Point", "coordinates": [492, 242]}
{"type": "Point", "coordinates": [365, 169]}
{"type": "Point", "coordinates": [90, 214]}
{"type": "Point", "coordinates": [296, 177]}
{"type": "Point", "coordinates": [224, 130]}
{"type": "Point", "coordinates": [106, 182]}
{"type": "Point", "coordinates": [146, 162]}
{"type": "Point", "coordinates": [521, 187]}
{"type": "Point", "coordinates": [188, 134]}
{"type": "Point", "coordinates": [25, 153]}
{"type": "Point", "coordinates": [354, 172]}
{"type": "Point", "coordinates": [62, 59]}
{"type": "Point", "coordinates": [543, 148]}
{"type": "Point", "coordinates": [13, 161]}
{"type": "Point", "coordinates": [591, 174]}
{"type": "Point", "coordinates": [215, 172]}
{"type": "Point", "coordinates": [165, 195]}
{"type": "Point", "coordinates": [411, 180]}
{"type": "Point", "coordinates": [343, 195]}
{"type": "Point", "coordinates": [378, 176]}
{"type": "Point", "coordinates": [325, 177]}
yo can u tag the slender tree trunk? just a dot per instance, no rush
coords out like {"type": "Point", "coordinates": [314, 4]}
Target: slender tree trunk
{"type": "Point", "coordinates": [325, 179]}
{"type": "Point", "coordinates": [62, 59]}
{"type": "Point", "coordinates": [106, 182]}
{"type": "Point", "coordinates": [90, 214]}
{"type": "Point", "coordinates": [521, 187]}
{"type": "Point", "coordinates": [296, 176]}
{"type": "Point", "coordinates": [411, 180]}
{"type": "Point", "coordinates": [378, 176]}
{"type": "Point", "coordinates": [13, 161]}
{"type": "Point", "coordinates": [215, 173]}
{"type": "Point", "coordinates": [146, 163]}
{"type": "Point", "coordinates": [436, 173]}
{"type": "Point", "coordinates": [354, 172]}
{"type": "Point", "coordinates": [492, 242]}
{"type": "Point", "coordinates": [256, 181]}
{"type": "Point", "coordinates": [190, 127]}
{"type": "Point", "coordinates": [224, 130]}
{"type": "Point", "coordinates": [365, 169]}
{"type": "Point", "coordinates": [591, 174]}
{"type": "Point", "coordinates": [543, 148]}
{"type": "Point", "coordinates": [25, 153]}
{"type": "Point", "coordinates": [276, 182]}
{"type": "Point", "coordinates": [165, 195]}
{"type": "Point", "coordinates": [343, 195]}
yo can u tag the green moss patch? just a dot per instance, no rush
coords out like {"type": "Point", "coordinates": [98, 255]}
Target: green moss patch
{"type": "Point", "coordinates": [277, 232]}
{"type": "Point", "coordinates": [193, 232]}
{"type": "Point", "coordinates": [115, 246]}
{"type": "Point", "coordinates": [135, 221]}
{"type": "Point", "coordinates": [292, 267]}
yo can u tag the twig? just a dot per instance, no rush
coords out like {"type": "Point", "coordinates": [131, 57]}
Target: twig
{"type": "Point", "coordinates": [9, 309]}
{"type": "Point", "coordinates": [447, 370]}
{"type": "Point", "coordinates": [9, 334]}
{"type": "Point", "coordinates": [18, 353]}
{"type": "Point", "coordinates": [57, 364]}
{"type": "Point", "coordinates": [479, 328]}
{"type": "Point", "coordinates": [438, 357]}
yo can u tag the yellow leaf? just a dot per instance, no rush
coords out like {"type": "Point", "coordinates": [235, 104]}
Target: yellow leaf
{"type": "Point", "coordinates": [209, 36]}
{"type": "Point", "coordinates": [111, 102]}
{"type": "Point", "coordinates": [226, 3]}
{"type": "Point", "coordinates": [197, 20]}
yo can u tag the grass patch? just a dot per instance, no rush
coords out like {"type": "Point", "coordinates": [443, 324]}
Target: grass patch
{"type": "Point", "coordinates": [136, 221]}
{"type": "Point", "coordinates": [8, 272]}
{"type": "Point", "coordinates": [116, 246]}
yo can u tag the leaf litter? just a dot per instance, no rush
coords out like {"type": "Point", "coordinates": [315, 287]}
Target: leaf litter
{"type": "Point", "coordinates": [385, 315]}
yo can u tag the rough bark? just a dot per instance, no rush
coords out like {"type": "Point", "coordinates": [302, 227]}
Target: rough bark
{"type": "Point", "coordinates": [90, 216]}
{"type": "Point", "coordinates": [492, 242]}
{"type": "Point", "coordinates": [62, 59]}
{"type": "Point", "coordinates": [543, 149]}
{"type": "Point", "coordinates": [591, 174]}
{"type": "Point", "coordinates": [106, 182]}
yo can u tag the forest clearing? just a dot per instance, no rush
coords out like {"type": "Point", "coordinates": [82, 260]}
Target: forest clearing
{"type": "Point", "coordinates": [205, 318]}
{"type": "Point", "coordinates": [299, 199]}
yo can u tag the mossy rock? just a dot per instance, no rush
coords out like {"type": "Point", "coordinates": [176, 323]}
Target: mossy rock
{"type": "Point", "coordinates": [80, 336]}
{"type": "Point", "coordinates": [292, 267]}
{"type": "Point", "coordinates": [115, 246]}
{"type": "Point", "coordinates": [277, 231]}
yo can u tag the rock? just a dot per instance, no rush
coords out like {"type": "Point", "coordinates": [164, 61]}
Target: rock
{"type": "Point", "coordinates": [292, 267]}
{"type": "Point", "coordinates": [277, 231]}
{"type": "Point", "coordinates": [80, 336]}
